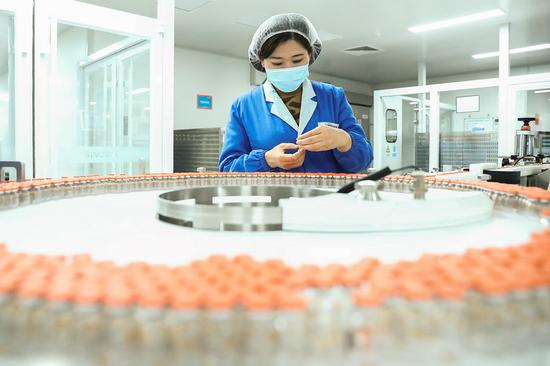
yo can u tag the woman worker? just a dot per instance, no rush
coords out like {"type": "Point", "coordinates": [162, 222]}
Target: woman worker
{"type": "Point", "coordinates": [291, 123]}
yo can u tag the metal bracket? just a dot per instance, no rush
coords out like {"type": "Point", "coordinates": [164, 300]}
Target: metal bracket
{"type": "Point", "coordinates": [368, 190]}
{"type": "Point", "coordinates": [419, 185]}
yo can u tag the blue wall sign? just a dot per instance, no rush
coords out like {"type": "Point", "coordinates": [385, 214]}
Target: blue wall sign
{"type": "Point", "coordinates": [204, 101]}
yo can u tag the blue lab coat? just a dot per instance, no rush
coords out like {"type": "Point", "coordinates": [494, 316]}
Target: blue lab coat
{"type": "Point", "coordinates": [260, 121]}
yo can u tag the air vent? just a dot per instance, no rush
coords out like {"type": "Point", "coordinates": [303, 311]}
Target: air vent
{"type": "Point", "coordinates": [253, 20]}
{"type": "Point", "coordinates": [190, 5]}
{"type": "Point", "coordinates": [361, 50]}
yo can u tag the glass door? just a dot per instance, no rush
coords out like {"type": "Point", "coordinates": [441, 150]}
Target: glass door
{"type": "Point", "coordinates": [92, 82]}
{"type": "Point", "coordinates": [134, 72]}
{"type": "Point", "coordinates": [115, 131]}
{"type": "Point", "coordinates": [98, 108]}
{"type": "Point", "coordinates": [404, 131]}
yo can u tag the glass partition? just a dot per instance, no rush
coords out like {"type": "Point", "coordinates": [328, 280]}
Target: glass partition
{"type": "Point", "coordinates": [535, 103]}
{"type": "Point", "coordinates": [7, 115]}
{"type": "Point", "coordinates": [468, 127]}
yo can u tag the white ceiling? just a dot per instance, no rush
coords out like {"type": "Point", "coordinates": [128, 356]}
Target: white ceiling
{"type": "Point", "coordinates": [382, 24]}
{"type": "Point", "coordinates": [215, 27]}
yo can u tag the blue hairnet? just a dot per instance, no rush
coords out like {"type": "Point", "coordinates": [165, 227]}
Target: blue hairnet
{"type": "Point", "coordinates": [282, 23]}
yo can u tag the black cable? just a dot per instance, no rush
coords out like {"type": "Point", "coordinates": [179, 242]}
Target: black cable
{"type": "Point", "coordinates": [529, 156]}
{"type": "Point", "coordinates": [374, 176]}
{"type": "Point", "coordinates": [517, 161]}
{"type": "Point", "coordinates": [405, 168]}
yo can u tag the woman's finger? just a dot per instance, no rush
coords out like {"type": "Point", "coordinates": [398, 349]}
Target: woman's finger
{"type": "Point", "coordinates": [289, 158]}
{"type": "Point", "coordinates": [318, 146]}
{"type": "Point", "coordinates": [309, 140]}
{"type": "Point", "coordinates": [287, 146]}
{"type": "Point", "coordinates": [315, 131]}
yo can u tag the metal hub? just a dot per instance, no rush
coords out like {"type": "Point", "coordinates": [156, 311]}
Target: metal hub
{"type": "Point", "coordinates": [230, 208]}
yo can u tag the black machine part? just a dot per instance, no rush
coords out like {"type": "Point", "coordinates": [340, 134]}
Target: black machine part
{"type": "Point", "coordinates": [503, 176]}
{"type": "Point", "coordinates": [350, 187]}
{"type": "Point", "coordinates": [526, 120]}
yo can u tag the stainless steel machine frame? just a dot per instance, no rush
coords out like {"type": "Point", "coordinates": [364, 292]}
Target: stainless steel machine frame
{"type": "Point", "coordinates": [525, 143]}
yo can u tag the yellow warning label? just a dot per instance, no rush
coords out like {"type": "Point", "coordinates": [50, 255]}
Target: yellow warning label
{"type": "Point", "coordinates": [388, 150]}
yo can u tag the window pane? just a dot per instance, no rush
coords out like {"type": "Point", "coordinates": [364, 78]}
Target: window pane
{"type": "Point", "coordinates": [391, 125]}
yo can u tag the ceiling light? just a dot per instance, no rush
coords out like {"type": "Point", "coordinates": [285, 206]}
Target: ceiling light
{"type": "Point", "coordinates": [457, 21]}
{"type": "Point", "coordinates": [537, 47]}
{"type": "Point", "coordinates": [253, 20]}
{"type": "Point", "coordinates": [542, 91]}
{"type": "Point", "coordinates": [327, 36]}
{"type": "Point", "coordinates": [110, 50]}
{"type": "Point", "coordinates": [361, 50]}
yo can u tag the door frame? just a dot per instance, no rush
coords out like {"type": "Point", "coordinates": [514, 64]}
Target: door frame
{"type": "Point", "coordinates": [22, 12]}
{"type": "Point", "coordinates": [160, 34]}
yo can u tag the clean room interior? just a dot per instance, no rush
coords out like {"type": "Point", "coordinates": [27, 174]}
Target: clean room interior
{"type": "Point", "coordinates": [239, 182]}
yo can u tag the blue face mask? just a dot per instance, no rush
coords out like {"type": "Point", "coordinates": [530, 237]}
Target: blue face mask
{"type": "Point", "coordinates": [289, 79]}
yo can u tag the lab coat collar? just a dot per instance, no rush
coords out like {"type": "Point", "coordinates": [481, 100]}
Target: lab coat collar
{"type": "Point", "coordinates": [279, 108]}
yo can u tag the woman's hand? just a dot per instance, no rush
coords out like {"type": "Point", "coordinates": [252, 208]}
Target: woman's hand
{"type": "Point", "coordinates": [277, 158]}
{"type": "Point", "coordinates": [325, 138]}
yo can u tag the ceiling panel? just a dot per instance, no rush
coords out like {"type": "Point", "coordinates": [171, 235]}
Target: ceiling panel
{"type": "Point", "coordinates": [226, 27]}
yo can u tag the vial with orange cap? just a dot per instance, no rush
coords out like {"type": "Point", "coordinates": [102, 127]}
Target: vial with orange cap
{"type": "Point", "coordinates": [118, 324]}
{"type": "Point", "coordinates": [57, 318]}
{"type": "Point", "coordinates": [262, 339]}
{"type": "Point", "coordinates": [483, 318]}
{"type": "Point", "coordinates": [368, 332]}
{"type": "Point", "coordinates": [450, 314]}
{"type": "Point", "coordinates": [290, 323]}
{"type": "Point", "coordinates": [86, 320]}
{"type": "Point", "coordinates": [8, 309]}
{"type": "Point", "coordinates": [219, 342]}
{"type": "Point", "coordinates": [10, 195]}
{"type": "Point", "coordinates": [330, 308]}
{"type": "Point", "coordinates": [152, 331]}
{"type": "Point", "coordinates": [417, 316]}
{"type": "Point", "coordinates": [185, 322]}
